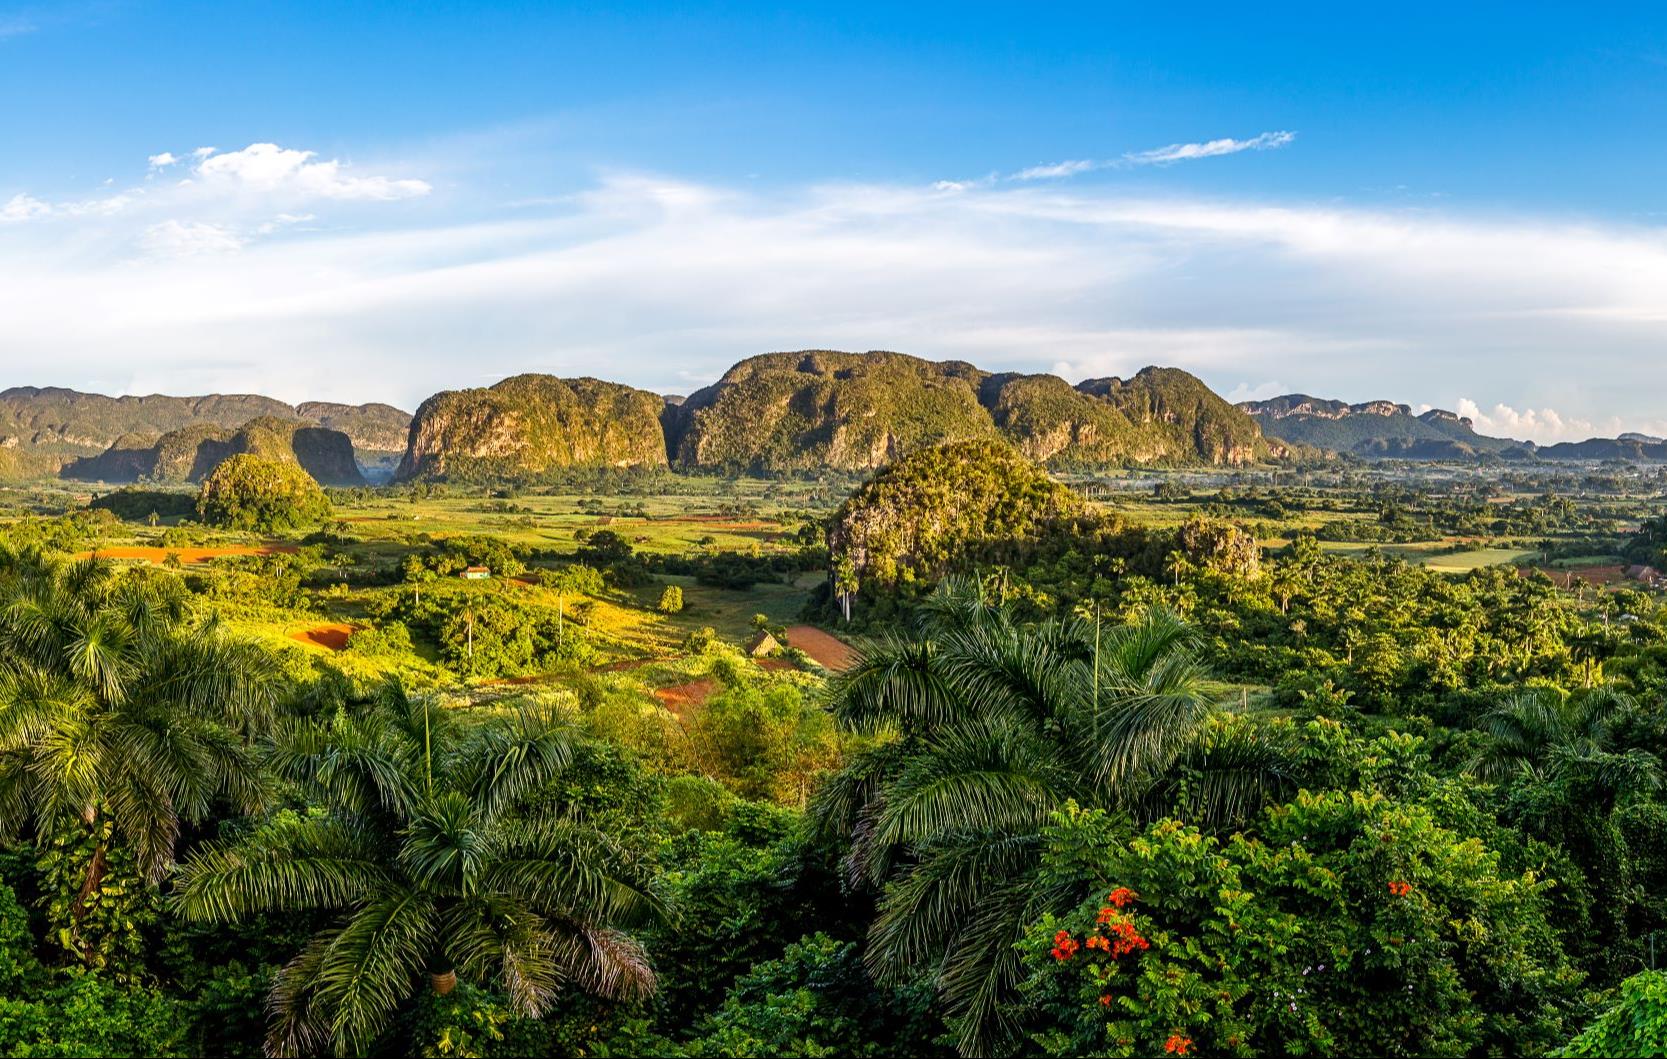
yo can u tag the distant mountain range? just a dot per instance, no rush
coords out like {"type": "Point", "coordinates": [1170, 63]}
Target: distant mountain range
{"type": "Point", "coordinates": [1377, 430]}
{"type": "Point", "coordinates": [773, 413]}
{"type": "Point", "coordinates": [45, 430]}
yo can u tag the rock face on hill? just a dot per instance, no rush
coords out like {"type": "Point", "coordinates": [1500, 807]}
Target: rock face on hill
{"type": "Point", "coordinates": [858, 411]}
{"type": "Point", "coordinates": [1190, 421]}
{"type": "Point", "coordinates": [820, 408]}
{"type": "Point", "coordinates": [191, 453]}
{"type": "Point", "coordinates": [1378, 430]}
{"type": "Point", "coordinates": [534, 424]}
{"type": "Point", "coordinates": [375, 429]}
{"type": "Point", "coordinates": [42, 429]}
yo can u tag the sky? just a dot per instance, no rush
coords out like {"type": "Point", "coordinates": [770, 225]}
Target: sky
{"type": "Point", "coordinates": [1458, 206]}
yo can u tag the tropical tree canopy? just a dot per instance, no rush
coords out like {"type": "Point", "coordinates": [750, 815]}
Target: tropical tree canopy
{"type": "Point", "coordinates": [420, 841]}
{"type": "Point", "coordinates": [118, 701]}
{"type": "Point", "coordinates": [989, 727]}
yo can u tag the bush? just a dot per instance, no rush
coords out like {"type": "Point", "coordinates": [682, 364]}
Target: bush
{"type": "Point", "coordinates": [268, 496]}
{"type": "Point", "coordinates": [671, 600]}
{"type": "Point", "coordinates": [1636, 1024]}
{"type": "Point", "coordinates": [1351, 922]}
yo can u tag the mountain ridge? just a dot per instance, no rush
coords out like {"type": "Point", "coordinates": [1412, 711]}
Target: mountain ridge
{"type": "Point", "coordinates": [45, 428]}
{"type": "Point", "coordinates": [781, 412]}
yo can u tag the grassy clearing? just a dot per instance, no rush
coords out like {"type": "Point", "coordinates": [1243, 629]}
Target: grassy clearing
{"type": "Point", "coordinates": [1464, 562]}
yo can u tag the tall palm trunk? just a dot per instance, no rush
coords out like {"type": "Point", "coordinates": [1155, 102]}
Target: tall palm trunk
{"type": "Point", "coordinates": [89, 886]}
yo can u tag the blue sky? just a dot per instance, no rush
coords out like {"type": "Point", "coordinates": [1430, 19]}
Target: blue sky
{"type": "Point", "coordinates": [1438, 206]}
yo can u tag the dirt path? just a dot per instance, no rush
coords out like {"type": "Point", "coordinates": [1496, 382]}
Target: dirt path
{"type": "Point", "coordinates": [828, 651]}
{"type": "Point", "coordinates": [679, 697]}
{"type": "Point", "coordinates": [332, 635]}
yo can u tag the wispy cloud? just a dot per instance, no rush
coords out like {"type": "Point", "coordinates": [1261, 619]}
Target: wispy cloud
{"type": "Point", "coordinates": [22, 207]}
{"type": "Point", "coordinates": [1058, 170]}
{"type": "Point", "coordinates": [16, 26]}
{"type": "Point", "coordinates": [176, 238]}
{"type": "Point", "coordinates": [1186, 152]}
{"type": "Point", "coordinates": [1159, 156]}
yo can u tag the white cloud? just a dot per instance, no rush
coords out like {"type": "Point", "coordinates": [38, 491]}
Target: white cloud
{"type": "Point", "coordinates": [1547, 426]}
{"type": "Point", "coordinates": [22, 207]}
{"type": "Point", "coordinates": [203, 152]}
{"type": "Point", "coordinates": [103, 206]}
{"type": "Point", "coordinates": [1186, 152]}
{"type": "Point", "coordinates": [174, 238]}
{"type": "Point", "coordinates": [266, 167]}
{"type": "Point", "coordinates": [655, 281]}
{"type": "Point", "coordinates": [1261, 391]}
{"type": "Point", "coordinates": [163, 160]}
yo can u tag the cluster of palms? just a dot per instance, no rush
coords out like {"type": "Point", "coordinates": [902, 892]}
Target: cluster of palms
{"type": "Point", "coordinates": [117, 700]}
{"type": "Point", "coordinates": [416, 831]}
{"type": "Point", "coordinates": [1565, 765]}
{"type": "Point", "coordinates": [996, 726]}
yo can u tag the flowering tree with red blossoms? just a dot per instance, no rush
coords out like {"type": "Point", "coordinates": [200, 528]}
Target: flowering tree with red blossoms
{"type": "Point", "coordinates": [1351, 923]}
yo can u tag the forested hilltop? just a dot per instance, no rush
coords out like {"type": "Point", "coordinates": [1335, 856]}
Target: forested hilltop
{"type": "Point", "coordinates": [191, 454]}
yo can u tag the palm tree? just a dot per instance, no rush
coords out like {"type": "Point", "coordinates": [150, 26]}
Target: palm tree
{"type": "Point", "coordinates": [426, 843]}
{"type": "Point", "coordinates": [994, 726]}
{"type": "Point", "coordinates": [116, 700]}
{"type": "Point", "coordinates": [1552, 740]}
{"type": "Point", "coordinates": [1565, 765]}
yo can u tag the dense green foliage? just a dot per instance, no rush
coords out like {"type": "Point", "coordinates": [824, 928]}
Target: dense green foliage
{"type": "Point", "coordinates": [255, 493]}
{"type": "Point", "coordinates": [425, 844]}
{"type": "Point", "coordinates": [1634, 1025]}
{"type": "Point", "coordinates": [1137, 768]}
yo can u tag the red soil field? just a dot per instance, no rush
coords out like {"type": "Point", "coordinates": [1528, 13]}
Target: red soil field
{"type": "Point", "coordinates": [1592, 575]}
{"type": "Point", "coordinates": [333, 635]}
{"type": "Point", "coordinates": [186, 555]}
{"type": "Point", "coordinates": [827, 650]}
{"type": "Point", "coordinates": [679, 697]}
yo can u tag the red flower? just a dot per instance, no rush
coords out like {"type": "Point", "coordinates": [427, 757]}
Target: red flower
{"type": "Point", "coordinates": [1064, 946]}
{"type": "Point", "coordinates": [1177, 1044]}
{"type": "Point", "coordinates": [1121, 896]}
{"type": "Point", "coordinates": [1105, 1000]}
{"type": "Point", "coordinates": [1399, 888]}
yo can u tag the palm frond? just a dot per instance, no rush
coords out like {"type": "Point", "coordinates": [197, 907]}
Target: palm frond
{"type": "Point", "coordinates": [289, 863]}
{"type": "Point", "coordinates": [504, 764]}
{"type": "Point", "coordinates": [371, 965]}
{"type": "Point", "coordinates": [893, 684]}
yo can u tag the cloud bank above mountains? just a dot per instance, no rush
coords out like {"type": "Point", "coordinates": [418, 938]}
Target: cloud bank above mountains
{"type": "Point", "coordinates": [274, 268]}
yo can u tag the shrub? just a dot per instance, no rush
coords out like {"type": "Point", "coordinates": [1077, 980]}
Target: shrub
{"type": "Point", "coordinates": [1635, 1024]}
{"type": "Point", "coordinates": [671, 600]}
